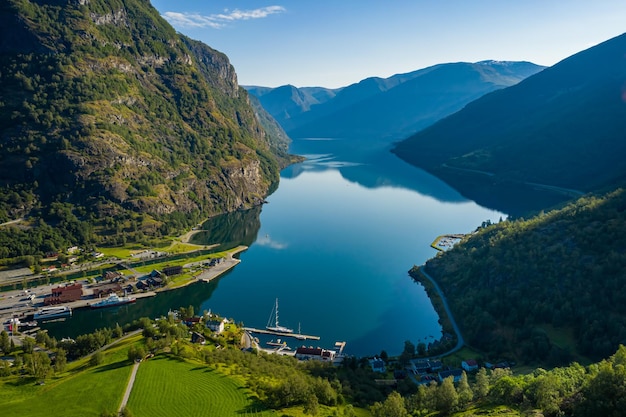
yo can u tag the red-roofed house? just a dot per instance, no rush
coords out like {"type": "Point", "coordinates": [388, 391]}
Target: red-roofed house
{"type": "Point", "coordinates": [469, 365]}
{"type": "Point", "coordinates": [318, 354]}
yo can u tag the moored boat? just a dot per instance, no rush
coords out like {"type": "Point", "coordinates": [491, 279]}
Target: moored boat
{"type": "Point", "coordinates": [52, 312]}
{"type": "Point", "coordinates": [113, 300]}
{"type": "Point", "coordinates": [276, 327]}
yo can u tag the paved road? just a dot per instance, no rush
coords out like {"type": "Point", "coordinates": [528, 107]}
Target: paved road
{"type": "Point", "coordinates": [460, 342]}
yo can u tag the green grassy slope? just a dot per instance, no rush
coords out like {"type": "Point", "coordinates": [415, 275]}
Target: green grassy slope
{"type": "Point", "coordinates": [169, 387]}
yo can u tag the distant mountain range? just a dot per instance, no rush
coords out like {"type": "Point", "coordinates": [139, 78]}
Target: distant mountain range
{"type": "Point", "coordinates": [563, 127]}
{"type": "Point", "coordinates": [390, 108]}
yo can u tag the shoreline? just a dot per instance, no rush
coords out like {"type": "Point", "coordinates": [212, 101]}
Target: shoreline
{"type": "Point", "coordinates": [213, 272]}
{"type": "Point", "coordinates": [444, 242]}
{"type": "Point", "coordinates": [20, 309]}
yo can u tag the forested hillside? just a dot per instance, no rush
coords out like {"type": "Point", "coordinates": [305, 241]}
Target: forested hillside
{"type": "Point", "coordinates": [115, 127]}
{"type": "Point", "coordinates": [564, 126]}
{"type": "Point", "coordinates": [546, 289]}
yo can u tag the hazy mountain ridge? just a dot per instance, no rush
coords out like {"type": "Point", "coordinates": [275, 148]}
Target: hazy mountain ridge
{"type": "Point", "coordinates": [105, 107]}
{"type": "Point", "coordinates": [563, 126]}
{"type": "Point", "coordinates": [390, 108]}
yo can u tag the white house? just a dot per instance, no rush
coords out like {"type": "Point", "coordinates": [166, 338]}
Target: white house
{"type": "Point", "coordinates": [469, 365]}
{"type": "Point", "coordinates": [216, 325]}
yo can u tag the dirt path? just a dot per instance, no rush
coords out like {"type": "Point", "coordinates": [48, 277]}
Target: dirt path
{"type": "Point", "coordinates": [129, 387]}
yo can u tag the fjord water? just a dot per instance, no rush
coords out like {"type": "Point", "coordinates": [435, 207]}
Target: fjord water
{"type": "Point", "coordinates": [333, 244]}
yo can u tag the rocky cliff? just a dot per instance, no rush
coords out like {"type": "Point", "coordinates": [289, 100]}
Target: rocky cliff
{"type": "Point", "coordinates": [106, 109]}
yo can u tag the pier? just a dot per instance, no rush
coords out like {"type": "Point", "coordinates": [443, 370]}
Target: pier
{"type": "Point", "coordinates": [299, 336]}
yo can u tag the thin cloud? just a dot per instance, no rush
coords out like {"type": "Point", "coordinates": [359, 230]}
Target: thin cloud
{"type": "Point", "coordinates": [216, 21]}
{"type": "Point", "coordinates": [267, 241]}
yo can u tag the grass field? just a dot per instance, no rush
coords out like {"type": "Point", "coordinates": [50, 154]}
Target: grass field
{"type": "Point", "coordinates": [167, 387]}
{"type": "Point", "coordinates": [86, 393]}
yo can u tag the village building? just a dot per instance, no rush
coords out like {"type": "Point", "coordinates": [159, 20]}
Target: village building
{"type": "Point", "coordinates": [216, 325]}
{"type": "Point", "coordinates": [191, 321]}
{"type": "Point", "coordinates": [317, 354]}
{"type": "Point", "coordinates": [105, 290]}
{"type": "Point", "coordinates": [421, 367]}
{"type": "Point", "coordinates": [469, 365]}
{"type": "Point", "coordinates": [435, 365]}
{"type": "Point", "coordinates": [197, 338]}
{"type": "Point", "coordinates": [64, 294]}
{"type": "Point", "coordinates": [112, 275]}
{"type": "Point", "coordinates": [378, 365]}
{"type": "Point", "coordinates": [170, 271]}
{"type": "Point", "coordinates": [454, 373]}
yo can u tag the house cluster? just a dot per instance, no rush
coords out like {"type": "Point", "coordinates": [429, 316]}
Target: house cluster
{"type": "Point", "coordinates": [212, 322]}
{"type": "Point", "coordinates": [427, 371]}
{"type": "Point", "coordinates": [154, 279]}
{"type": "Point", "coordinates": [214, 261]}
{"type": "Point", "coordinates": [111, 282]}
{"type": "Point", "coordinates": [104, 290]}
{"type": "Point", "coordinates": [51, 258]}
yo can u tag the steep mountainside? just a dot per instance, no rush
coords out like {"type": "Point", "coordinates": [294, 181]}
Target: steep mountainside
{"type": "Point", "coordinates": [107, 111]}
{"type": "Point", "coordinates": [565, 126]}
{"type": "Point", "coordinates": [390, 108]}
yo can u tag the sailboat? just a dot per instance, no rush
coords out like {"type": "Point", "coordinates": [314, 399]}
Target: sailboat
{"type": "Point", "coordinates": [276, 327]}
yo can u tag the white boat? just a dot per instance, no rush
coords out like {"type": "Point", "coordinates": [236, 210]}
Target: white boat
{"type": "Point", "coordinates": [278, 342]}
{"type": "Point", "coordinates": [52, 312]}
{"type": "Point", "coordinates": [276, 327]}
{"type": "Point", "coordinates": [113, 300]}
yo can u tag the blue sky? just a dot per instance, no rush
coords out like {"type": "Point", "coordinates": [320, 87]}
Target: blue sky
{"type": "Point", "coordinates": [334, 43]}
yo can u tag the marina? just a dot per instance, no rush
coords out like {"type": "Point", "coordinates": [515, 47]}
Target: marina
{"type": "Point", "coordinates": [274, 328]}
{"type": "Point", "coordinates": [299, 336]}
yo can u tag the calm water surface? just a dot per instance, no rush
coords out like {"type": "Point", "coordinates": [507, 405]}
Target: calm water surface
{"type": "Point", "coordinates": [334, 245]}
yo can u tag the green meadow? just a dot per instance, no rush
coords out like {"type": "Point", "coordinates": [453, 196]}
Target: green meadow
{"type": "Point", "coordinates": [167, 387]}
{"type": "Point", "coordinates": [81, 391]}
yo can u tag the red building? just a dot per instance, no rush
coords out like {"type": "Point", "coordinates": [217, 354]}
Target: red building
{"type": "Point", "coordinates": [64, 294]}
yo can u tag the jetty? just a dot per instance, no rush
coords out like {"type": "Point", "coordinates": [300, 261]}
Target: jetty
{"type": "Point", "coordinates": [299, 336]}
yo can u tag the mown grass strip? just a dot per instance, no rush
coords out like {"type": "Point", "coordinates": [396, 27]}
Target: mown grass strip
{"type": "Point", "coordinates": [167, 387]}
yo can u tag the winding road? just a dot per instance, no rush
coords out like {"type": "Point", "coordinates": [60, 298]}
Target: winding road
{"type": "Point", "coordinates": [460, 342]}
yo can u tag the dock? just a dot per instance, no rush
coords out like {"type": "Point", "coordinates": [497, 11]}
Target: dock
{"type": "Point", "coordinates": [299, 336]}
